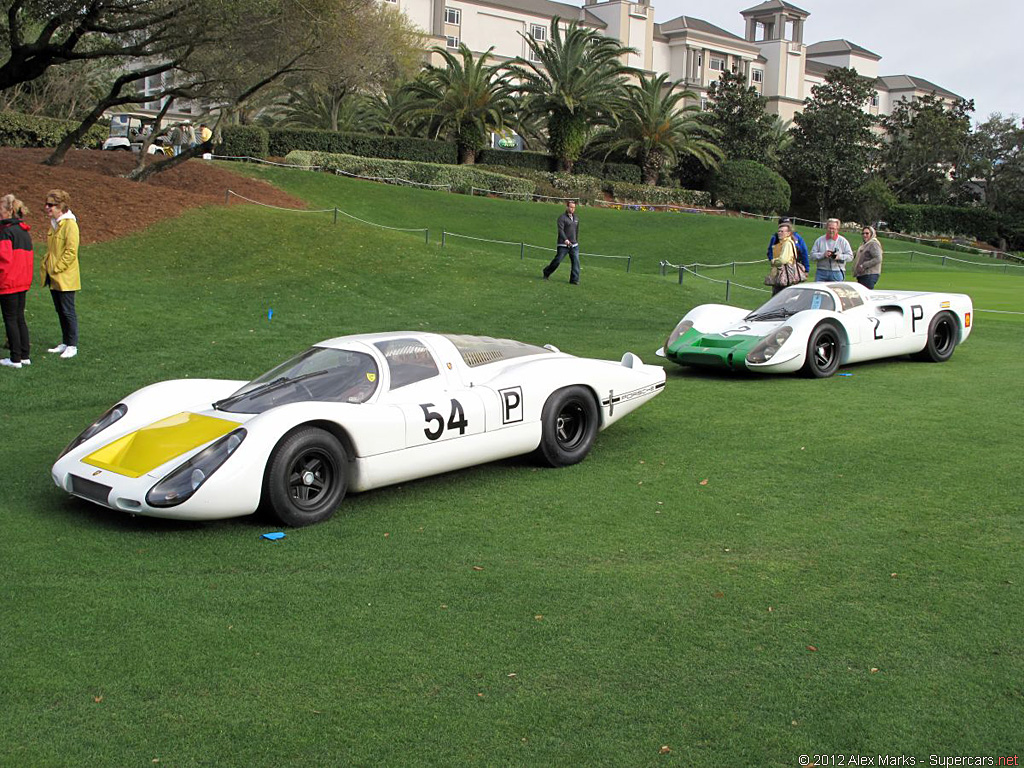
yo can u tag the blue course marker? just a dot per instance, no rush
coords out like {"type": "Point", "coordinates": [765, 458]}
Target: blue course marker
{"type": "Point", "coordinates": [273, 536]}
{"type": "Point", "coordinates": [270, 314]}
{"type": "Point", "coordinates": [846, 374]}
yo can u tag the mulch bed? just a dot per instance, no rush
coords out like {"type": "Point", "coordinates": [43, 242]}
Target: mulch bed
{"type": "Point", "coordinates": [109, 206]}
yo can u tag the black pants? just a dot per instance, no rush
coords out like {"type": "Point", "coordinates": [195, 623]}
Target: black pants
{"type": "Point", "coordinates": [64, 303]}
{"type": "Point", "coordinates": [13, 307]}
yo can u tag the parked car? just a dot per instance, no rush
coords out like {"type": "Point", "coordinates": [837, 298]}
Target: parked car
{"type": "Point", "coordinates": [348, 414]}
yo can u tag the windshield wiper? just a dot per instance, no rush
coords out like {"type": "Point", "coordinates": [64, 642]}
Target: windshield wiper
{"type": "Point", "coordinates": [263, 388]}
{"type": "Point", "coordinates": [782, 312]}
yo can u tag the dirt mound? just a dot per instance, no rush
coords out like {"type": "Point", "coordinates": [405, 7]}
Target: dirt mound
{"type": "Point", "coordinates": [109, 206]}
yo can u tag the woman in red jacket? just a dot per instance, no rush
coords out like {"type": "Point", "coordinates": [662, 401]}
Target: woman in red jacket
{"type": "Point", "coordinates": [15, 277]}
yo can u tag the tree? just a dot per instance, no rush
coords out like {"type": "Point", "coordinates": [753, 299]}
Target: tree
{"type": "Point", "coordinates": [747, 185]}
{"type": "Point", "coordinates": [575, 80]}
{"type": "Point", "coordinates": [463, 100]}
{"type": "Point", "coordinates": [995, 161]}
{"type": "Point", "coordinates": [655, 129]}
{"type": "Point", "coordinates": [923, 145]}
{"type": "Point", "coordinates": [737, 112]}
{"type": "Point", "coordinates": [832, 142]}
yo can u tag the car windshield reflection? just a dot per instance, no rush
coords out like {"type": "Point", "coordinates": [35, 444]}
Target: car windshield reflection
{"type": "Point", "coordinates": [318, 374]}
{"type": "Point", "coordinates": [790, 301]}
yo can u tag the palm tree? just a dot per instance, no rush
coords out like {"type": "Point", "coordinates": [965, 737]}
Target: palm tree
{"type": "Point", "coordinates": [576, 81]}
{"type": "Point", "coordinates": [653, 128]}
{"type": "Point", "coordinates": [313, 106]}
{"type": "Point", "coordinates": [464, 100]}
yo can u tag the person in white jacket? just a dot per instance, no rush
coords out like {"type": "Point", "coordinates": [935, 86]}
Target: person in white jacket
{"type": "Point", "coordinates": [830, 253]}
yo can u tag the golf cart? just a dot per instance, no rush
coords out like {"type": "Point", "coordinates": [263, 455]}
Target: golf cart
{"type": "Point", "coordinates": [128, 132]}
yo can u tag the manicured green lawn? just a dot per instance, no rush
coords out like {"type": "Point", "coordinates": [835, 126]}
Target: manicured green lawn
{"type": "Point", "coordinates": [506, 614]}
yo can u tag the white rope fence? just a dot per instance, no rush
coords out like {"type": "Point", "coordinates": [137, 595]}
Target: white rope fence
{"type": "Point", "coordinates": [393, 180]}
{"type": "Point", "coordinates": [445, 234]}
{"type": "Point", "coordinates": [1005, 265]}
{"type": "Point", "coordinates": [261, 160]}
{"type": "Point", "coordinates": [522, 195]}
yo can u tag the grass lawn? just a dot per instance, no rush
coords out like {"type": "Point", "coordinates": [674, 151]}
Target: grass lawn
{"type": "Point", "coordinates": [848, 579]}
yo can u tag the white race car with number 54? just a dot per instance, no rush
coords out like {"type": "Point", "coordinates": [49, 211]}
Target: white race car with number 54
{"type": "Point", "coordinates": [816, 327]}
{"type": "Point", "coordinates": [349, 414]}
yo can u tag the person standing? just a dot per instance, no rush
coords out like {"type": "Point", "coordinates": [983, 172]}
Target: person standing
{"type": "Point", "coordinates": [868, 266]}
{"type": "Point", "coordinates": [60, 269]}
{"type": "Point", "coordinates": [830, 253]}
{"type": "Point", "coordinates": [787, 269]}
{"type": "Point", "coordinates": [798, 244]}
{"type": "Point", "coordinates": [15, 277]}
{"type": "Point", "coordinates": [568, 243]}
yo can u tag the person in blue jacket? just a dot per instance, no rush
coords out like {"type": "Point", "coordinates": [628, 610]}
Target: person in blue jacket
{"type": "Point", "coordinates": [801, 246]}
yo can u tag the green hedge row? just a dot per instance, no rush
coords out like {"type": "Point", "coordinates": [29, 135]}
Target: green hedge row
{"type": "Point", "coordinates": [284, 140]}
{"type": "Point", "coordinates": [460, 177]}
{"type": "Point", "coordinates": [945, 219]}
{"type": "Point", "coordinates": [538, 161]}
{"type": "Point", "coordinates": [244, 141]}
{"type": "Point", "coordinates": [584, 188]}
{"type": "Point", "coordinates": [746, 185]}
{"type": "Point", "coordinates": [19, 130]}
{"type": "Point", "coordinates": [640, 193]}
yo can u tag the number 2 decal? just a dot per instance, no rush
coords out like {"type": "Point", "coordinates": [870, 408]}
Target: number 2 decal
{"type": "Point", "coordinates": [877, 323]}
{"type": "Point", "coordinates": [457, 420]}
{"type": "Point", "coordinates": [741, 329]}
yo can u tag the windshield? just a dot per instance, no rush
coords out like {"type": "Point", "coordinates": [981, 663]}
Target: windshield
{"type": "Point", "coordinates": [789, 301]}
{"type": "Point", "coordinates": [318, 374]}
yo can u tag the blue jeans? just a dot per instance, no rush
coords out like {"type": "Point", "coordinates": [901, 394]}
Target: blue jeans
{"type": "Point", "coordinates": [829, 276]}
{"type": "Point", "coordinates": [574, 255]}
{"type": "Point", "coordinates": [64, 303]}
{"type": "Point", "coordinates": [868, 281]}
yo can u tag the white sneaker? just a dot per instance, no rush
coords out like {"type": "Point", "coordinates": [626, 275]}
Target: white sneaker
{"type": "Point", "coordinates": [58, 349]}
{"type": "Point", "coordinates": [7, 361]}
{"type": "Point", "coordinates": [69, 352]}
{"type": "Point", "coordinates": [26, 361]}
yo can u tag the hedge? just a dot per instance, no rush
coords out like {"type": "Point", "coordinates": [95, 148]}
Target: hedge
{"type": "Point", "coordinates": [583, 188]}
{"type": "Point", "coordinates": [978, 223]}
{"type": "Point", "coordinates": [20, 130]}
{"type": "Point", "coordinates": [628, 173]}
{"type": "Point", "coordinates": [244, 141]}
{"type": "Point", "coordinates": [285, 140]}
{"type": "Point", "coordinates": [532, 161]}
{"type": "Point", "coordinates": [641, 193]}
{"type": "Point", "coordinates": [460, 177]}
{"type": "Point", "coordinates": [746, 185]}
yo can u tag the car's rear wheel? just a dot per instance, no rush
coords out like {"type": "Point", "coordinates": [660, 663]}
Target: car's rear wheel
{"type": "Point", "coordinates": [943, 332]}
{"type": "Point", "coordinates": [569, 423]}
{"type": "Point", "coordinates": [305, 480]}
{"type": "Point", "coordinates": [824, 352]}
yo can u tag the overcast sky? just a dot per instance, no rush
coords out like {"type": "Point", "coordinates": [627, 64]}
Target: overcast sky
{"type": "Point", "coordinates": [970, 48]}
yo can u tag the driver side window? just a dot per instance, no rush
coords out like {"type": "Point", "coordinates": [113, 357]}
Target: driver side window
{"type": "Point", "coordinates": [409, 361]}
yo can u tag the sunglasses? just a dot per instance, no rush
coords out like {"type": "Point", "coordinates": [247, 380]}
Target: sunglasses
{"type": "Point", "coordinates": [50, 205]}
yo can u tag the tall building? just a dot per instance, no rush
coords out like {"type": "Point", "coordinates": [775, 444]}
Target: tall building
{"type": "Point", "coordinates": [772, 55]}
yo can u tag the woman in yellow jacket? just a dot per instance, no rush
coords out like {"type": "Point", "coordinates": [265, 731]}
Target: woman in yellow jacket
{"type": "Point", "coordinates": [60, 268]}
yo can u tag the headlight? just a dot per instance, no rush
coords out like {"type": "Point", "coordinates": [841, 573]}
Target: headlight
{"type": "Point", "coordinates": [683, 327]}
{"type": "Point", "coordinates": [186, 479]}
{"type": "Point", "coordinates": [97, 426]}
{"type": "Point", "coordinates": [769, 345]}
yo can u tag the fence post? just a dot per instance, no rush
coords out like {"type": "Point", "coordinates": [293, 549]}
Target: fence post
{"type": "Point", "coordinates": [662, 265]}
{"type": "Point", "coordinates": [522, 251]}
{"type": "Point", "coordinates": [726, 290]}
{"type": "Point", "coordinates": [426, 237]}
{"type": "Point", "coordinates": [943, 261]}
{"type": "Point", "coordinates": [227, 196]}
{"type": "Point", "coordinates": [734, 267]}
{"type": "Point", "coordinates": [442, 238]}
{"type": "Point", "coordinates": [335, 214]}
{"type": "Point", "coordinates": [682, 270]}
{"type": "Point", "coordinates": [911, 255]}
{"type": "Point", "coordinates": [629, 261]}
{"type": "Point", "coordinates": [695, 268]}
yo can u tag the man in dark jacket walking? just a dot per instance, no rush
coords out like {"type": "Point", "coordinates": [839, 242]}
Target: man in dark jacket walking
{"type": "Point", "coordinates": [568, 243]}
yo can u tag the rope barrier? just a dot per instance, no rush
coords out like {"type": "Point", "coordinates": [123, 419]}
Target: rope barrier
{"type": "Point", "coordinates": [335, 211]}
{"type": "Point", "coordinates": [1005, 265]}
{"type": "Point", "coordinates": [521, 195]}
{"type": "Point", "coordinates": [265, 162]}
{"type": "Point", "coordinates": [279, 208]}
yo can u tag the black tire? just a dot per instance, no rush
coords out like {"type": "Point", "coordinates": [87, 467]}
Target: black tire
{"type": "Point", "coordinates": [306, 480]}
{"type": "Point", "coordinates": [824, 352]}
{"type": "Point", "coordinates": [569, 424]}
{"type": "Point", "coordinates": [943, 334]}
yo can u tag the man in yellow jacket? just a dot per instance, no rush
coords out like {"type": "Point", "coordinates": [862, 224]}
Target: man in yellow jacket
{"type": "Point", "coordinates": [60, 268]}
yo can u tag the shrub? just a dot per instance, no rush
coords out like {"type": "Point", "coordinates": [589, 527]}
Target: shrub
{"type": "Point", "coordinates": [873, 200]}
{"type": "Point", "coordinates": [460, 177]}
{"type": "Point", "coordinates": [746, 185]}
{"type": "Point", "coordinates": [285, 140]}
{"type": "Point", "coordinates": [628, 173]}
{"type": "Point", "coordinates": [244, 141]}
{"type": "Point", "coordinates": [533, 161]}
{"type": "Point", "coordinates": [944, 219]}
{"type": "Point", "coordinates": [641, 193]}
{"type": "Point", "coordinates": [19, 130]}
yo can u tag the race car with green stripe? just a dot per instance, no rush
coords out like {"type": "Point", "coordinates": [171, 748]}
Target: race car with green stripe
{"type": "Point", "coordinates": [818, 327]}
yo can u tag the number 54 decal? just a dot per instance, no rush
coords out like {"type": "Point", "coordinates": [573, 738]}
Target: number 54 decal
{"type": "Point", "coordinates": [457, 420]}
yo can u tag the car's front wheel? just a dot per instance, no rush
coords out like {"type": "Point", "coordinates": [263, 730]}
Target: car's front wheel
{"type": "Point", "coordinates": [569, 424]}
{"type": "Point", "coordinates": [305, 480]}
{"type": "Point", "coordinates": [943, 332]}
{"type": "Point", "coordinates": [824, 352]}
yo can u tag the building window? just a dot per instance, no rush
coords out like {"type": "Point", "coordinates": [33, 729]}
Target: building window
{"type": "Point", "coordinates": [757, 75]}
{"type": "Point", "coordinates": [452, 16]}
{"type": "Point", "coordinates": [452, 41]}
{"type": "Point", "coordinates": [538, 32]}
{"type": "Point", "coordinates": [703, 104]}
{"type": "Point", "coordinates": [874, 99]}
{"type": "Point", "coordinates": [716, 63]}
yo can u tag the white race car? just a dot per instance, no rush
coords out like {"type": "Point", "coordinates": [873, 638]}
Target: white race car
{"type": "Point", "coordinates": [349, 414]}
{"type": "Point", "coordinates": [816, 327]}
